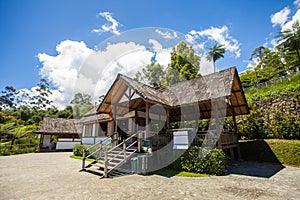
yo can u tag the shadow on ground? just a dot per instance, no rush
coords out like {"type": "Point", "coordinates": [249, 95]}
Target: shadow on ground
{"type": "Point", "coordinates": [259, 160]}
{"type": "Point", "coordinates": [256, 169]}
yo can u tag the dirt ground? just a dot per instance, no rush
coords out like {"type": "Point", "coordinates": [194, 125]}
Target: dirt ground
{"type": "Point", "coordinates": [56, 176]}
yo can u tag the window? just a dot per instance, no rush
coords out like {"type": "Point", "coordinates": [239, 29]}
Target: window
{"type": "Point", "coordinates": [88, 130]}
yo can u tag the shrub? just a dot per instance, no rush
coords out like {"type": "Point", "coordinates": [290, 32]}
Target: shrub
{"type": "Point", "coordinates": [78, 149]}
{"type": "Point", "coordinates": [204, 161]}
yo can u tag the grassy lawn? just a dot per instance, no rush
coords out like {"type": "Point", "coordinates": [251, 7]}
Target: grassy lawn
{"type": "Point", "coordinates": [272, 150]}
{"type": "Point", "coordinates": [170, 172]}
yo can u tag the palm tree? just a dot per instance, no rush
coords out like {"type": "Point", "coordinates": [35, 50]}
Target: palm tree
{"type": "Point", "coordinates": [260, 53]}
{"type": "Point", "coordinates": [290, 39]}
{"type": "Point", "coordinates": [216, 52]}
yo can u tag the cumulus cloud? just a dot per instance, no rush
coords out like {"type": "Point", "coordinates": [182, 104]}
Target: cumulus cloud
{"type": "Point", "coordinates": [215, 34]}
{"type": "Point", "coordinates": [167, 34]}
{"type": "Point", "coordinates": [295, 17]}
{"type": "Point", "coordinates": [281, 17]}
{"type": "Point", "coordinates": [112, 26]}
{"type": "Point", "coordinates": [285, 18]}
{"type": "Point", "coordinates": [77, 68]}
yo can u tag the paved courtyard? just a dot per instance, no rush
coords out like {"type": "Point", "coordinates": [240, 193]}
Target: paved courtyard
{"type": "Point", "coordinates": [56, 176]}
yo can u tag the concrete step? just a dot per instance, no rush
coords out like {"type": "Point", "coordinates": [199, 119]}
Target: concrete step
{"type": "Point", "coordinates": [96, 171]}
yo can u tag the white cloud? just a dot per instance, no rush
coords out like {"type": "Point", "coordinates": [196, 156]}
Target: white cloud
{"type": "Point", "coordinates": [77, 68]}
{"type": "Point", "coordinates": [163, 56]}
{"type": "Point", "coordinates": [281, 17]}
{"type": "Point", "coordinates": [295, 17]}
{"type": "Point", "coordinates": [297, 3]}
{"type": "Point", "coordinates": [167, 34]}
{"type": "Point", "coordinates": [112, 27]}
{"type": "Point", "coordinates": [206, 67]}
{"type": "Point", "coordinates": [62, 70]}
{"type": "Point", "coordinates": [219, 35]}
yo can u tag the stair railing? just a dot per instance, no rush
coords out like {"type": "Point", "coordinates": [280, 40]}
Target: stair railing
{"type": "Point", "coordinates": [101, 143]}
{"type": "Point", "coordinates": [106, 162]}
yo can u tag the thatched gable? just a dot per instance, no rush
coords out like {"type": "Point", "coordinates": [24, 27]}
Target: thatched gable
{"type": "Point", "coordinates": [200, 91]}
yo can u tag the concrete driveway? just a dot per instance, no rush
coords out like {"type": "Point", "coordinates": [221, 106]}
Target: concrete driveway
{"type": "Point", "coordinates": [56, 176]}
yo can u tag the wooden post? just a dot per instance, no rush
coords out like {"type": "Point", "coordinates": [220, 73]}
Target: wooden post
{"type": "Point", "coordinates": [168, 118]}
{"type": "Point", "coordinates": [139, 141]}
{"type": "Point", "coordinates": [83, 159]}
{"type": "Point", "coordinates": [147, 119]}
{"type": "Point", "coordinates": [100, 149]}
{"type": "Point", "coordinates": [124, 149]}
{"type": "Point", "coordinates": [105, 165]}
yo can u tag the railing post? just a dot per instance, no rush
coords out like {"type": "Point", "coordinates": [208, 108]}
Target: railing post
{"type": "Point", "coordinates": [124, 149]}
{"type": "Point", "coordinates": [83, 159]}
{"type": "Point", "coordinates": [100, 147]}
{"type": "Point", "coordinates": [139, 141]}
{"type": "Point", "coordinates": [106, 165]}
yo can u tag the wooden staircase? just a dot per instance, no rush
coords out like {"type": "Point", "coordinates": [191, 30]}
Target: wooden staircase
{"type": "Point", "coordinates": [109, 159]}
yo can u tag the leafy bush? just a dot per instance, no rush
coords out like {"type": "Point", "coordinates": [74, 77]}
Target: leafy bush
{"type": "Point", "coordinates": [201, 160]}
{"type": "Point", "coordinates": [78, 149]}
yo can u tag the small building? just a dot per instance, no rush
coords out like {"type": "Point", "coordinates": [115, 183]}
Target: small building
{"type": "Point", "coordinates": [65, 131]}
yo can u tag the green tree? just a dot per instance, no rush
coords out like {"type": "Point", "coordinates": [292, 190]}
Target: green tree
{"type": "Point", "coordinates": [81, 104]}
{"type": "Point", "coordinates": [154, 73]}
{"type": "Point", "coordinates": [81, 99]}
{"type": "Point", "coordinates": [215, 53]}
{"type": "Point", "coordinates": [260, 53]}
{"type": "Point", "coordinates": [290, 40]}
{"type": "Point", "coordinates": [7, 99]}
{"type": "Point", "coordinates": [184, 64]}
{"type": "Point", "coordinates": [41, 100]}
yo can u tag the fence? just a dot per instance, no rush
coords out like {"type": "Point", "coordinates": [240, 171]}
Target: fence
{"type": "Point", "coordinates": [271, 82]}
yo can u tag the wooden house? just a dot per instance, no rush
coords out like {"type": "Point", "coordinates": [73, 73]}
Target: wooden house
{"type": "Point", "coordinates": [137, 113]}
{"type": "Point", "coordinates": [131, 106]}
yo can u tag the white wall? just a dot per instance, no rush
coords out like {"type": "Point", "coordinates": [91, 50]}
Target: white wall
{"type": "Point", "coordinates": [66, 145]}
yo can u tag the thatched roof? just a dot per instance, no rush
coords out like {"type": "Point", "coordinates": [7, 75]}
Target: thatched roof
{"type": "Point", "coordinates": [199, 91]}
{"type": "Point", "coordinates": [58, 126]}
{"type": "Point", "coordinates": [92, 116]}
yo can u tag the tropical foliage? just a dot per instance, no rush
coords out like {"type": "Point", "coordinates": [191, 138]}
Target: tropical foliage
{"type": "Point", "coordinates": [269, 63]}
{"type": "Point", "coordinates": [184, 65]}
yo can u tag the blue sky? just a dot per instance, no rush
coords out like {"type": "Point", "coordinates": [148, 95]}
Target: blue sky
{"type": "Point", "coordinates": [31, 31]}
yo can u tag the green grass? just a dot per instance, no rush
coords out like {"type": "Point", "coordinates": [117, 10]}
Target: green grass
{"type": "Point", "coordinates": [287, 151]}
{"type": "Point", "coordinates": [80, 158]}
{"type": "Point", "coordinates": [284, 87]}
{"type": "Point", "coordinates": [272, 150]}
{"type": "Point", "coordinates": [171, 172]}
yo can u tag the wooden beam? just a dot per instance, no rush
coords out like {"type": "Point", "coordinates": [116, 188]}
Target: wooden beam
{"type": "Point", "coordinates": [147, 119]}
{"type": "Point", "coordinates": [233, 116]}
